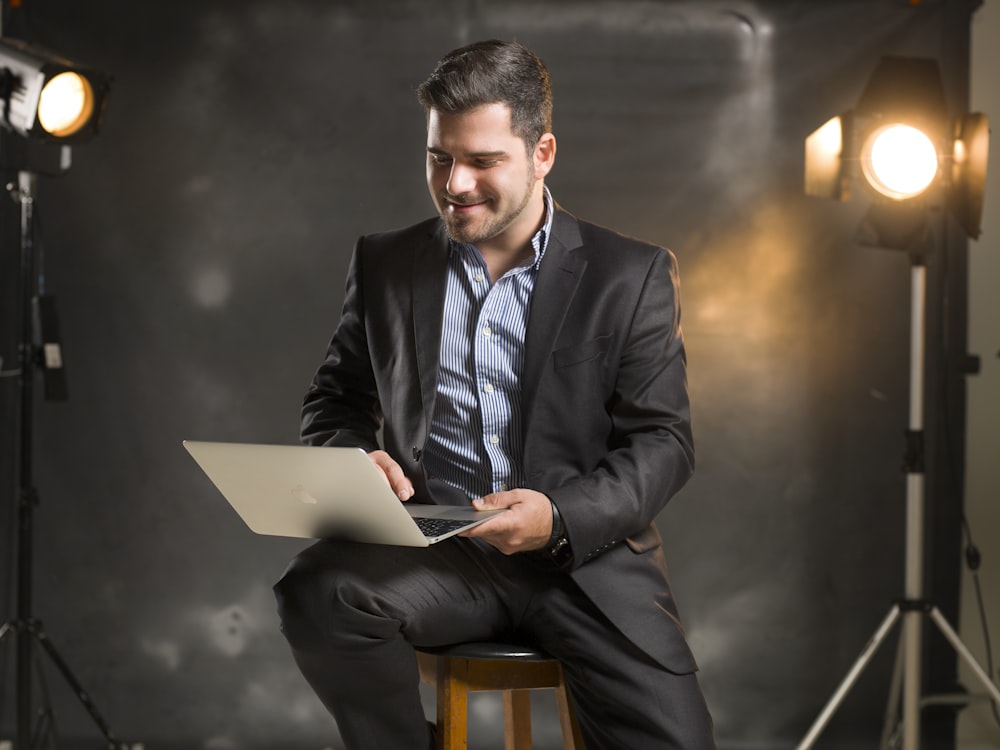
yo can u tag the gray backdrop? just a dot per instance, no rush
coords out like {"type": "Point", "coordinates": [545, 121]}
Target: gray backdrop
{"type": "Point", "coordinates": [198, 246]}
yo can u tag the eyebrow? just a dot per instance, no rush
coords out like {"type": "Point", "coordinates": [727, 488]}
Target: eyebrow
{"type": "Point", "coordinates": [474, 155]}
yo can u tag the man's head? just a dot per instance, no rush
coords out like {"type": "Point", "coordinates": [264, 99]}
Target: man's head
{"type": "Point", "coordinates": [492, 72]}
{"type": "Point", "coordinates": [489, 145]}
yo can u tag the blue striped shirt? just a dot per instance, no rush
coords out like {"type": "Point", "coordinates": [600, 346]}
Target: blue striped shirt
{"type": "Point", "coordinates": [475, 440]}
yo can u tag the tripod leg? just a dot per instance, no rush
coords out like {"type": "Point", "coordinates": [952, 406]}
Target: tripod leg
{"type": "Point", "coordinates": [956, 643]}
{"type": "Point", "coordinates": [848, 682]}
{"type": "Point", "coordinates": [77, 688]}
{"type": "Point", "coordinates": [892, 705]}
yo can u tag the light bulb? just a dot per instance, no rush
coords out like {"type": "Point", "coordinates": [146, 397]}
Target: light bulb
{"type": "Point", "coordinates": [65, 104]}
{"type": "Point", "coordinates": [899, 161]}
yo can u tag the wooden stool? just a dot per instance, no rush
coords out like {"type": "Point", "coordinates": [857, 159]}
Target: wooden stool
{"type": "Point", "coordinates": [516, 670]}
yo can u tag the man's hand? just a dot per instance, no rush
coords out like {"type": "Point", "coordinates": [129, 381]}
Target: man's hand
{"type": "Point", "coordinates": [393, 474]}
{"type": "Point", "coordinates": [526, 526]}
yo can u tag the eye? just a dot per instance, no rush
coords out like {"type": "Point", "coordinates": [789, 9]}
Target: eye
{"type": "Point", "coordinates": [439, 160]}
{"type": "Point", "coordinates": [487, 163]}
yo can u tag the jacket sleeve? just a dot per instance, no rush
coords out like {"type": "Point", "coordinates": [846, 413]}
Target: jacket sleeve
{"type": "Point", "coordinates": [647, 451]}
{"type": "Point", "coordinates": [341, 406]}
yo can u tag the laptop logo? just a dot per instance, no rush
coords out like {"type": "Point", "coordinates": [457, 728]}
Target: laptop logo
{"type": "Point", "coordinates": [301, 494]}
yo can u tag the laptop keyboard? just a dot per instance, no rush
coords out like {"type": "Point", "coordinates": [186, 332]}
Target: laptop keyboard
{"type": "Point", "coordinates": [432, 527]}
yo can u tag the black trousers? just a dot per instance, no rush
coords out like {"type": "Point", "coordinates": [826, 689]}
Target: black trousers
{"type": "Point", "coordinates": [352, 614]}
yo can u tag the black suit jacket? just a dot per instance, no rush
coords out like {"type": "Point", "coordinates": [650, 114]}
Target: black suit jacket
{"type": "Point", "coordinates": [604, 394]}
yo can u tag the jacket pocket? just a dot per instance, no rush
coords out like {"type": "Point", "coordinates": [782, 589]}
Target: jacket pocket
{"type": "Point", "coordinates": [574, 355]}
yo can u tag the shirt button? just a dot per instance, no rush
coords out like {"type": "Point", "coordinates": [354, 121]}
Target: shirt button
{"type": "Point", "coordinates": [494, 439]}
{"type": "Point", "coordinates": [487, 332]}
{"type": "Point", "coordinates": [478, 276]}
{"type": "Point", "coordinates": [488, 388]}
{"type": "Point", "coordinates": [504, 487]}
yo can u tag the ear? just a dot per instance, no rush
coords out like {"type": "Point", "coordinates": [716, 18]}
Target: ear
{"type": "Point", "coordinates": [545, 155]}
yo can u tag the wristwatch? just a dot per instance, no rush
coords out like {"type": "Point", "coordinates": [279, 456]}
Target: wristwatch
{"type": "Point", "coordinates": [558, 549]}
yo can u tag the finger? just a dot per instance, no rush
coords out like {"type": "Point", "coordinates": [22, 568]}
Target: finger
{"type": "Point", "coordinates": [497, 535]}
{"type": "Point", "coordinates": [393, 474]}
{"type": "Point", "coordinates": [402, 486]}
{"type": "Point", "coordinates": [490, 527]}
{"type": "Point", "coordinates": [495, 501]}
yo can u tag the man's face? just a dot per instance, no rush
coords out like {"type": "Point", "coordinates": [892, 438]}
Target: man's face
{"type": "Point", "coordinates": [482, 178]}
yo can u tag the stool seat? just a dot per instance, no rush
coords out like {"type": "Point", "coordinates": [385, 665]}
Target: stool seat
{"type": "Point", "coordinates": [514, 670]}
{"type": "Point", "coordinates": [487, 650]}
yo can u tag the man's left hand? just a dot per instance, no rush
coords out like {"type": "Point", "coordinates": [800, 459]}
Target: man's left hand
{"type": "Point", "coordinates": [526, 526]}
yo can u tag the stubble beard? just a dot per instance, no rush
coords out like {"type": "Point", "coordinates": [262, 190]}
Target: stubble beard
{"type": "Point", "coordinates": [467, 230]}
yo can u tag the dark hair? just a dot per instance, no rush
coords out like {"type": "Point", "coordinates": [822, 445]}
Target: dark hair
{"type": "Point", "coordinates": [490, 72]}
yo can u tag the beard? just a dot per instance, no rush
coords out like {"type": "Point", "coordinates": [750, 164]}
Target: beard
{"type": "Point", "coordinates": [472, 230]}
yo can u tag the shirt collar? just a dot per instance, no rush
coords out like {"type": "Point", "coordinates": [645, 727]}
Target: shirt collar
{"type": "Point", "coordinates": [541, 238]}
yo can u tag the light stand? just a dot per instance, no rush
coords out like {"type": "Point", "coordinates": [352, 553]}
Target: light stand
{"type": "Point", "coordinates": [27, 628]}
{"type": "Point", "coordinates": [913, 607]}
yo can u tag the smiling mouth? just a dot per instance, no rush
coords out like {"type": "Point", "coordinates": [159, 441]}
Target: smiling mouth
{"type": "Point", "coordinates": [457, 205]}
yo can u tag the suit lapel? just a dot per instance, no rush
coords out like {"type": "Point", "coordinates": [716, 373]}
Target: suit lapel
{"type": "Point", "coordinates": [558, 277]}
{"type": "Point", "coordinates": [430, 274]}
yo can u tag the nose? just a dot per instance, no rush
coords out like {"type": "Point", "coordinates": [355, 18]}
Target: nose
{"type": "Point", "coordinates": [461, 180]}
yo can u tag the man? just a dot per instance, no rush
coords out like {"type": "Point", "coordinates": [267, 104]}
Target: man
{"type": "Point", "coordinates": [518, 356]}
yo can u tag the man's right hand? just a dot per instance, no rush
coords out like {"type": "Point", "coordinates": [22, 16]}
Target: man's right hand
{"type": "Point", "coordinates": [393, 474]}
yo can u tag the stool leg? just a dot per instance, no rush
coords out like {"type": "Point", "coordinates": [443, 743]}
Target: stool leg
{"type": "Point", "coordinates": [517, 719]}
{"type": "Point", "coordinates": [572, 740]}
{"type": "Point", "coordinates": [452, 705]}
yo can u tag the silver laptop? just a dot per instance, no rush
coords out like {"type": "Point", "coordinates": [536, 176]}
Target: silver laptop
{"type": "Point", "coordinates": [319, 492]}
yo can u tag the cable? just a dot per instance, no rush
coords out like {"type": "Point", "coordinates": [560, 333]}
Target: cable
{"type": "Point", "coordinates": [973, 559]}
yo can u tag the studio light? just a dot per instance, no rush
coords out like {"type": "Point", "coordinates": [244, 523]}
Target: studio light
{"type": "Point", "coordinates": [46, 99]}
{"type": "Point", "coordinates": [904, 151]}
{"type": "Point", "coordinates": [910, 159]}
{"type": "Point", "coordinates": [47, 96]}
